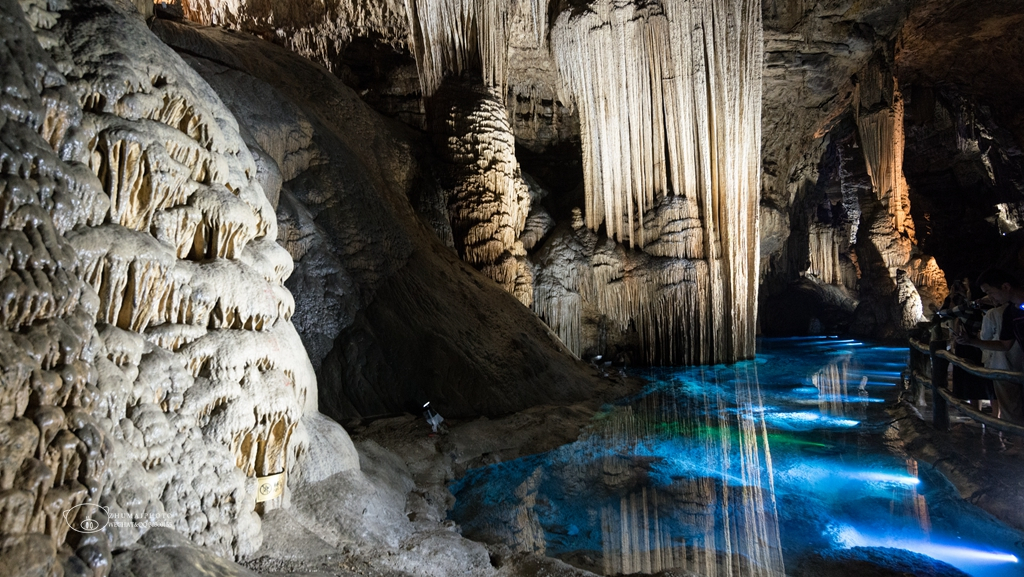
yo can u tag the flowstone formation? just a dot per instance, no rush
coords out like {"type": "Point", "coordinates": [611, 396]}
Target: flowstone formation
{"type": "Point", "coordinates": [676, 90]}
{"type": "Point", "coordinates": [671, 156]}
{"type": "Point", "coordinates": [319, 31]}
{"type": "Point", "coordinates": [151, 373]}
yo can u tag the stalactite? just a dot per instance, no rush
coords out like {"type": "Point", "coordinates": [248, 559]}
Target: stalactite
{"type": "Point", "coordinates": [665, 300]}
{"type": "Point", "coordinates": [451, 36]}
{"type": "Point", "coordinates": [929, 279]}
{"type": "Point", "coordinates": [670, 105]}
{"type": "Point", "coordinates": [882, 140]}
{"type": "Point", "coordinates": [825, 248]}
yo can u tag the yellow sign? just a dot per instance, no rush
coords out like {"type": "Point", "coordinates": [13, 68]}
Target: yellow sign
{"type": "Point", "coordinates": [269, 487]}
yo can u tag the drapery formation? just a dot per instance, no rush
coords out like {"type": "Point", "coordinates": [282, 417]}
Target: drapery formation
{"type": "Point", "coordinates": [882, 139]}
{"type": "Point", "coordinates": [669, 96]}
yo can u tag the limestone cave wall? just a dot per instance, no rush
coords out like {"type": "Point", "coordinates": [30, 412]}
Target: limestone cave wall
{"type": "Point", "coordinates": [685, 292]}
{"type": "Point", "coordinates": [826, 66]}
{"type": "Point", "coordinates": [159, 210]}
{"type": "Point", "coordinates": [926, 101]}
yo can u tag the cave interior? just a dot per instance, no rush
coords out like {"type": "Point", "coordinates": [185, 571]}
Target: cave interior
{"type": "Point", "coordinates": [245, 242]}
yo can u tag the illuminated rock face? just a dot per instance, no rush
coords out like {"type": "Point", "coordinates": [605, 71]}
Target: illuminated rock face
{"type": "Point", "coordinates": [669, 110]}
{"type": "Point", "coordinates": [888, 251]}
{"type": "Point", "coordinates": [150, 366]}
{"type": "Point", "coordinates": [651, 135]}
{"type": "Point", "coordinates": [391, 317]}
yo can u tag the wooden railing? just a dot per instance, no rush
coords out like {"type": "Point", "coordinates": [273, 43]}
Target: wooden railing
{"type": "Point", "coordinates": [929, 365]}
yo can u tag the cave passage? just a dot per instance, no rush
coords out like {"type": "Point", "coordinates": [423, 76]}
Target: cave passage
{"type": "Point", "coordinates": [745, 469]}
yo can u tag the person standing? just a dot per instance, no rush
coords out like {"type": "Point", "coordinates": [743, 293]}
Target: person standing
{"type": "Point", "coordinates": [1008, 403]}
{"type": "Point", "coordinates": [1003, 287]}
{"type": "Point", "coordinates": [966, 318]}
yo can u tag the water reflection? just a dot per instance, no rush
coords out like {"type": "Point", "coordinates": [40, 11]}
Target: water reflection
{"type": "Point", "coordinates": [705, 500]}
{"type": "Point", "coordinates": [726, 471]}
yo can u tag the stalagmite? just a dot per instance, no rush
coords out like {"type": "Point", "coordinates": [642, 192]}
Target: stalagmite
{"type": "Point", "coordinates": [488, 200]}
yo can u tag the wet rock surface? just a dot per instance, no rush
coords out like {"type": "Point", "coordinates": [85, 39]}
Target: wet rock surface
{"type": "Point", "coordinates": [985, 466]}
{"type": "Point", "coordinates": [874, 562]}
{"type": "Point", "coordinates": [390, 517]}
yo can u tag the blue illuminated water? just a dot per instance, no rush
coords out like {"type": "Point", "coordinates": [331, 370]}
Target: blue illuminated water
{"type": "Point", "coordinates": [739, 469]}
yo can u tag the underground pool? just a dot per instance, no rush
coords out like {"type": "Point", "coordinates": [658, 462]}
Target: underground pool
{"type": "Point", "coordinates": [757, 468]}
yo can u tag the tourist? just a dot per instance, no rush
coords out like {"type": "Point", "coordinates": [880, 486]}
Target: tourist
{"type": "Point", "coordinates": [967, 317]}
{"type": "Point", "coordinates": [1003, 287]}
{"type": "Point", "coordinates": [1008, 403]}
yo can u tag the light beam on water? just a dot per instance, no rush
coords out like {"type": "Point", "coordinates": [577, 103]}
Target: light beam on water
{"type": "Point", "coordinates": [692, 475]}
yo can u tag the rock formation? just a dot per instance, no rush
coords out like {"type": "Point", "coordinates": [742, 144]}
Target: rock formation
{"type": "Point", "coordinates": [152, 373]}
{"type": "Point", "coordinates": [487, 199]}
{"type": "Point", "coordinates": [423, 325]}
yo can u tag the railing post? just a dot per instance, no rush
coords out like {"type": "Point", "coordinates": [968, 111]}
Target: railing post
{"type": "Point", "coordinates": [918, 362]}
{"type": "Point", "coordinates": [940, 370]}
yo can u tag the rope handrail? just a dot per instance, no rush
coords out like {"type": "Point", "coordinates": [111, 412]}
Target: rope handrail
{"type": "Point", "coordinates": [1005, 426]}
{"type": "Point", "coordinates": [993, 374]}
{"type": "Point", "coordinates": [940, 360]}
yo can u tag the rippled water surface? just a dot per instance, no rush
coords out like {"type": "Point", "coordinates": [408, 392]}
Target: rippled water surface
{"type": "Point", "coordinates": [738, 470]}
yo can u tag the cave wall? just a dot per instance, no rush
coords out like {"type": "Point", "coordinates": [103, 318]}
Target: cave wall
{"type": "Point", "coordinates": [960, 160]}
{"type": "Point", "coordinates": [416, 322]}
{"type": "Point", "coordinates": [818, 59]}
{"type": "Point", "coordinates": [696, 251]}
{"type": "Point", "coordinates": [964, 125]}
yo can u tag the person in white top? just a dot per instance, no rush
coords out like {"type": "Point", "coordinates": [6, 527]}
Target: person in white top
{"type": "Point", "coordinates": [1009, 399]}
